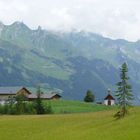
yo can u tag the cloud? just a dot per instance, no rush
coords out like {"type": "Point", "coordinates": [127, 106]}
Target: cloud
{"type": "Point", "coordinates": [115, 19]}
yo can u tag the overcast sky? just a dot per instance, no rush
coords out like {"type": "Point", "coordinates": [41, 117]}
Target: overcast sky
{"type": "Point", "coordinates": [112, 18]}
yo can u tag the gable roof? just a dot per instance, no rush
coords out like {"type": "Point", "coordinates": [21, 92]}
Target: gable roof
{"type": "Point", "coordinates": [109, 96]}
{"type": "Point", "coordinates": [15, 90]}
{"type": "Point", "coordinates": [9, 90]}
{"type": "Point", "coordinates": [44, 96]}
{"type": "Point", "coordinates": [12, 90]}
{"type": "Point", "coordinates": [23, 88]}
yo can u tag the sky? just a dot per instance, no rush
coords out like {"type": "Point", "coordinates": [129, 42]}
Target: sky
{"type": "Point", "coordinates": [110, 18]}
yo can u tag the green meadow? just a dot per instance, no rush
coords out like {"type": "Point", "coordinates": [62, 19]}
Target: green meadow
{"type": "Point", "coordinates": [66, 106]}
{"type": "Point", "coordinates": [95, 125]}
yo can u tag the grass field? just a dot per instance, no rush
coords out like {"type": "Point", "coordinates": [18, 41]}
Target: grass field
{"type": "Point", "coordinates": [81, 126]}
{"type": "Point", "coordinates": [65, 106]}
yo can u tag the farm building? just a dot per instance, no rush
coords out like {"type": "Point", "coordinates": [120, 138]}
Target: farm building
{"type": "Point", "coordinates": [109, 99]}
{"type": "Point", "coordinates": [48, 96]}
{"type": "Point", "coordinates": [7, 92]}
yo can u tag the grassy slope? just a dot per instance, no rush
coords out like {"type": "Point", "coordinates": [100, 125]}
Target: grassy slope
{"type": "Point", "coordinates": [65, 106]}
{"type": "Point", "coordinates": [87, 126]}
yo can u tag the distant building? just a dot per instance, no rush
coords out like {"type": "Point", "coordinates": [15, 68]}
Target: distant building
{"type": "Point", "coordinates": [7, 92]}
{"type": "Point", "coordinates": [109, 99]}
{"type": "Point", "coordinates": [48, 96]}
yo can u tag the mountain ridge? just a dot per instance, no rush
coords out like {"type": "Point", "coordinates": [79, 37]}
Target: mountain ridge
{"type": "Point", "coordinates": [72, 62]}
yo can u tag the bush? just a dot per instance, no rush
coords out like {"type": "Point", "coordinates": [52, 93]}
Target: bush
{"type": "Point", "coordinates": [29, 108]}
{"type": "Point", "coordinates": [48, 109]}
{"type": "Point", "coordinates": [16, 108]}
{"type": "Point", "coordinates": [2, 111]}
{"type": "Point", "coordinates": [89, 96]}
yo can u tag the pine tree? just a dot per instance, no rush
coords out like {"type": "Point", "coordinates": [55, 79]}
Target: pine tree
{"type": "Point", "coordinates": [38, 103]}
{"type": "Point", "coordinates": [124, 92]}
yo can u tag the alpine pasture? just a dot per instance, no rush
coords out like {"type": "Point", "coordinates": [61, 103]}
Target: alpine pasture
{"type": "Point", "coordinates": [79, 126]}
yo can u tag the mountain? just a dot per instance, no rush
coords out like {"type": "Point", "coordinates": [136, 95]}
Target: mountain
{"type": "Point", "coordinates": [71, 62]}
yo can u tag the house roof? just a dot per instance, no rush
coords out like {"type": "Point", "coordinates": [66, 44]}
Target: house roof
{"type": "Point", "coordinates": [25, 90]}
{"type": "Point", "coordinates": [14, 91]}
{"type": "Point", "coordinates": [50, 95]}
{"type": "Point", "coordinates": [9, 90]}
{"type": "Point", "coordinates": [109, 96]}
{"type": "Point", "coordinates": [44, 96]}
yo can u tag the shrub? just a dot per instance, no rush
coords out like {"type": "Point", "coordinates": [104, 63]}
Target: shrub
{"type": "Point", "coordinates": [48, 109]}
{"type": "Point", "coordinates": [89, 96]}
